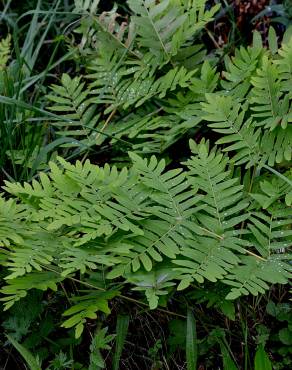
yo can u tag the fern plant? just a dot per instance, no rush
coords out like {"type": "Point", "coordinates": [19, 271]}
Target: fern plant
{"type": "Point", "coordinates": [254, 117]}
{"type": "Point", "coordinates": [78, 111]}
{"type": "Point", "coordinates": [154, 228]}
{"type": "Point", "coordinates": [223, 215]}
{"type": "Point", "coordinates": [133, 65]}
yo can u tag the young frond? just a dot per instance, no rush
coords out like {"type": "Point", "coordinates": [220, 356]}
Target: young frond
{"type": "Point", "coordinates": [254, 275]}
{"type": "Point", "coordinates": [32, 254]}
{"type": "Point", "coordinates": [271, 234]}
{"type": "Point", "coordinates": [164, 28]}
{"type": "Point", "coordinates": [222, 207]}
{"type": "Point", "coordinates": [157, 25]}
{"type": "Point", "coordinates": [204, 258]}
{"type": "Point", "coordinates": [269, 102]}
{"type": "Point", "coordinates": [17, 288]}
{"type": "Point", "coordinates": [228, 117]}
{"type": "Point", "coordinates": [240, 69]}
{"type": "Point", "coordinates": [78, 116]}
{"type": "Point", "coordinates": [12, 228]}
{"type": "Point", "coordinates": [86, 307]}
{"type": "Point", "coordinates": [173, 203]}
{"type": "Point", "coordinates": [223, 200]}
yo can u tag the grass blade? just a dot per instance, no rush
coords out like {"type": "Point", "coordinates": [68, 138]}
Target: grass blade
{"type": "Point", "coordinates": [121, 330]}
{"type": "Point", "coordinates": [26, 354]}
{"type": "Point", "coordinates": [191, 342]}
{"type": "Point", "coordinates": [228, 363]}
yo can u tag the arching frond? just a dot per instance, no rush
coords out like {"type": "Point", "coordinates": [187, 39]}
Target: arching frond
{"type": "Point", "coordinates": [78, 116]}
{"type": "Point", "coordinates": [240, 69]}
{"type": "Point", "coordinates": [270, 104]}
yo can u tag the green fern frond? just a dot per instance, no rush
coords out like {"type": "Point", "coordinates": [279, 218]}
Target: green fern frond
{"type": "Point", "coordinates": [271, 234]}
{"type": "Point", "coordinates": [198, 15]}
{"type": "Point", "coordinates": [223, 201]}
{"type": "Point", "coordinates": [133, 221]}
{"type": "Point", "coordinates": [78, 116]}
{"type": "Point", "coordinates": [171, 205]}
{"type": "Point", "coordinates": [157, 26]}
{"type": "Point", "coordinates": [228, 117]}
{"type": "Point", "coordinates": [254, 275]}
{"type": "Point", "coordinates": [127, 71]}
{"type": "Point", "coordinates": [240, 69]}
{"type": "Point", "coordinates": [222, 205]}
{"type": "Point", "coordinates": [107, 73]}
{"type": "Point", "coordinates": [272, 190]}
{"type": "Point", "coordinates": [125, 90]}
{"type": "Point", "coordinates": [12, 228]}
{"type": "Point", "coordinates": [166, 27]}
{"type": "Point", "coordinates": [204, 258]}
{"type": "Point", "coordinates": [76, 259]}
{"type": "Point", "coordinates": [240, 134]}
{"type": "Point", "coordinates": [86, 308]}
{"type": "Point", "coordinates": [284, 65]}
{"type": "Point", "coordinates": [17, 288]}
{"type": "Point", "coordinates": [32, 254]}
{"type": "Point", "coordinates": [275, 146]}
{"type": "Point", "coordinates": [154, 132]}
{"type": "Point", "coordinates": [271, 106]}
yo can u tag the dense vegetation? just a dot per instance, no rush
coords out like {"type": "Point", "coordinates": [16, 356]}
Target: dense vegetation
{"type": "Point", "coordinates": [146, 218]}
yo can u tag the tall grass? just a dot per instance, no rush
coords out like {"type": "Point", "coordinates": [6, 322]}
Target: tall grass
{"type": "Point", "coordinates": [26, 137]}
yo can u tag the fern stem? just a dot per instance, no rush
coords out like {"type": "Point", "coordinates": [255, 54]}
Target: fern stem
{"type": "Point", "coordinates": [212, 38]}
{"type": "Point", "coordinates": [64, 290]}
{"type": "Point", "coordinates": [106, 122]}
{"type": "Point", "coordinates": [275, 172]}
{"type": "Point", "coordinates": [212, 233]}
{"type": "Point", "coordinates": [157, 34]}
{"type": "Point", "coordinates": [255, 255]}
{"type": "Point", "coordinates": [101, 131]}
{"type": "Point", "coordinates": [127, 48]}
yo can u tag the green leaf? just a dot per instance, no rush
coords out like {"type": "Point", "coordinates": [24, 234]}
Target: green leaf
{"type": "Point", "coordinates": [233, 295]}
{"type": "Point", "coordinates": [257, 40]}
{"type": "Point", "coordinates": [121, 330]}
{"type": "Point", "coordinates": [262, 361]}
{"type": "Point", "coordinates": [26, 354]}
{"type": "Point", "coordinates": [285, 336]}
{"type": "Point", "coordinates": [99, 342]}
{"type": "Point", "coordinates": [191, 342]}
{"type": "Point", "coordinates": [272, 38]}
{"type": "Point", "coordinates": [287, 35]}
{"type": "Point", "coordinates": [228, 363]}
{"type": "Point", "coordinates": [288, 198]}
{"type": "Point", "coordinates": [228, 309]}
